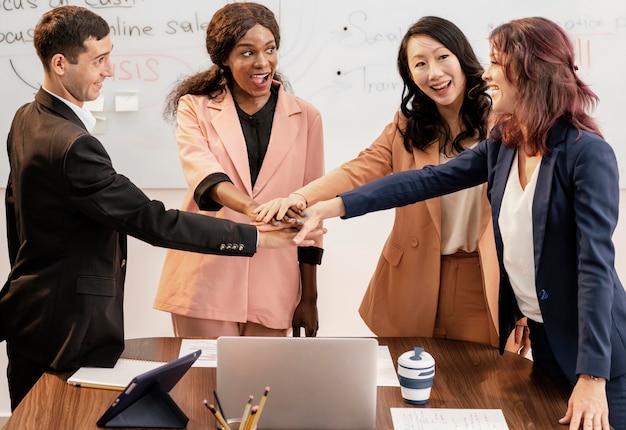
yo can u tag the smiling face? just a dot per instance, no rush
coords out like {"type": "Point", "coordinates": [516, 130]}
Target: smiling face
{"type": "Point", "coordinates": [252, 62]}
{"type": "Point", "coordinates": [436, 71]}
{"type": "Point", "coordinates": [503, 93]}
{"type": "Point", "coordinates": [82, 80]}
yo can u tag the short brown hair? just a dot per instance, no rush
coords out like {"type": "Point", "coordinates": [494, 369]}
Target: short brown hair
{"type": "Point", "coordinates": [64, 30]}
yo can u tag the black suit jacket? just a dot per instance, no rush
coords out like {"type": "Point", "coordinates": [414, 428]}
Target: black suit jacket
{"type": "Point", "coordinates": [68, 214]}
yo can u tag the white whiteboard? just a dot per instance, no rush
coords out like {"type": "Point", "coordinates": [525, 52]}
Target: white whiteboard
{"type": "Point", "coordinates": [339, 55]}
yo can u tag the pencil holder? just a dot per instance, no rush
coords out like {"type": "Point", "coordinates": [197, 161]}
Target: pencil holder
{"type": "Point", "coordinates": [233, 423]}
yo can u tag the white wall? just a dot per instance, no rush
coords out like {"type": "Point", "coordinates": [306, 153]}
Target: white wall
{"type": "Point", "coordinates": [338, 55]}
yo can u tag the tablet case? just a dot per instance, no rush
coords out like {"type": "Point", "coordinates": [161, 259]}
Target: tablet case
{"type": "Point", "coordinates": [145, 402]}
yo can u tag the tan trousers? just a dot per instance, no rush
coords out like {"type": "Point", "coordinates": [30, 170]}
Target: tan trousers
{"type": "Point", "coordinates": [202, 328]}
{"type": "Point", "coordinates": [462, 312]}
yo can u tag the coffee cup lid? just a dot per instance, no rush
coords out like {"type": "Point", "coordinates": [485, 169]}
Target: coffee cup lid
{"type": "Point", "coordinates": [418, 358]}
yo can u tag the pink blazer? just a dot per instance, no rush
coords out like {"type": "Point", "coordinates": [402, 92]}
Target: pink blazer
{"type": "Point", "coordinates": [402, 297]}
{"type": "Point", "coordinates": [264, 289]}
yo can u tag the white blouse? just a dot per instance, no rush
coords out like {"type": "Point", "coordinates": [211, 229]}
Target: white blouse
{"type": "Point", "coordinates": [460, 218]}
{"type": "Point", "coordinates": [516, 226]}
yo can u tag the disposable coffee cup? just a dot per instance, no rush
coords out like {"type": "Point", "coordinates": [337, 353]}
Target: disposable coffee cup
{"type": "Point", "coordinates": [416, 372]}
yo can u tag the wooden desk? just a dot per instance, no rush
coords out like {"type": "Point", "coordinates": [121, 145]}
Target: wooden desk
{"type": "Point", "coordinates": [467, 376]}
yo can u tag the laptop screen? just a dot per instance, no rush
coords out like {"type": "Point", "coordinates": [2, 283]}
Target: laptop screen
{"type": "Point", "coordinates": [315, 383]}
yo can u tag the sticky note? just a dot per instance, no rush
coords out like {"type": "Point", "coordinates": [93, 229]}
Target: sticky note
{"type": "Point", "coordinates": [126, 101]}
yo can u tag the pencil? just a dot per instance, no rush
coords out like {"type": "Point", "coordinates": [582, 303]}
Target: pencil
{"type": "Point", "coordinates": [250, 420]}
{"type": "Point", "coordinates": [246, 412]}
{"type": "Point", "coordinates": [101, 386]}
{"type": "Point", "coordinates": [218, 415]}
{"type": "Point", "coordinates": [217, 403]}
{"type": "Point", "coordinates": [257, 416]}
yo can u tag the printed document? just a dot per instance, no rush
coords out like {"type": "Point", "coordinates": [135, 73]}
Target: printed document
{"type": "Point", "coordinates": [447, 419]}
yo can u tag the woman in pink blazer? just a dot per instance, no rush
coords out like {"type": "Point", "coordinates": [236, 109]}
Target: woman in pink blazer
{"type": "Point", "coordinates": [242, 139]}
{"type": "Point", "coordinates": [438, 273]}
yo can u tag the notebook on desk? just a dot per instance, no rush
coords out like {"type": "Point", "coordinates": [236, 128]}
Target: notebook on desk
{"type": "Point", "coordinates": [315, 383]}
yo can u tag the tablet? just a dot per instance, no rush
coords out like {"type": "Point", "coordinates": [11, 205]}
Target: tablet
{"type": "Point", "coordinates": [145, 401]}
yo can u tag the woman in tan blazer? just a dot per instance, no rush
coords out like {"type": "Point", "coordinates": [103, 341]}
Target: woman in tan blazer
{"type": "Point", "coordinates": [438, 273]}
{"type": "Point", "coordinates": [242, 139]}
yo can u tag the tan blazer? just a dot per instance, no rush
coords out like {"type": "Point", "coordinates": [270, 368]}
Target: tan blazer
{"type": "Point", "coordinates": [264, 289]}
{"type": "Point", "coordinates": [402, 297]}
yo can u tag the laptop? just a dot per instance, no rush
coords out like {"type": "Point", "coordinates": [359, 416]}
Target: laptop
{"type": "Point", "coordinates": [315, 383]}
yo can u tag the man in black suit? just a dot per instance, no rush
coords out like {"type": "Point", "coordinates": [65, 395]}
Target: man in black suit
{"type": "Point", "coordinates": [68, 214]}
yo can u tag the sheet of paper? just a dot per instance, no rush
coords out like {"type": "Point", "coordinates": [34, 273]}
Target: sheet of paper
{"type": "Point", "coordinates": [387, 376]}
{"type": "Point", "coordinates": [208, 357]}
{"type": "Point", "coordinates": [447, 419]}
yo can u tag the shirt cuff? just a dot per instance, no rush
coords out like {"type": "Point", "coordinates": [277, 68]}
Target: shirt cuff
{"type": "Point", "coordinates": [201, 193]}
{"type": "Point", "coordinates": [310, 255]}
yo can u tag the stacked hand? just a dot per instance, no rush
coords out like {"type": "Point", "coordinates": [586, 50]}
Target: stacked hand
{"type": "Point", "coordinates": [279, 236]}
{"type": "Point", "coordinates": [291, 212]}
{"type": "Point", "coordinates": [287, 209]}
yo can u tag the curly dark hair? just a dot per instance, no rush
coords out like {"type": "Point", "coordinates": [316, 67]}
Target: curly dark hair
{"type": "Point", "coordinates": [424, 124]}
{"type": "Point", "coordinates": [228, 25]}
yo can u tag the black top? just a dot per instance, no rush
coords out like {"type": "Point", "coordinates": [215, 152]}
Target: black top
{"type": "Point", "coordinates": [257, 129]}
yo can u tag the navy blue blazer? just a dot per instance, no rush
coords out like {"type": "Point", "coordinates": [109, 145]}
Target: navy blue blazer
{"type": "Point", "coordinates": [575, 211]}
